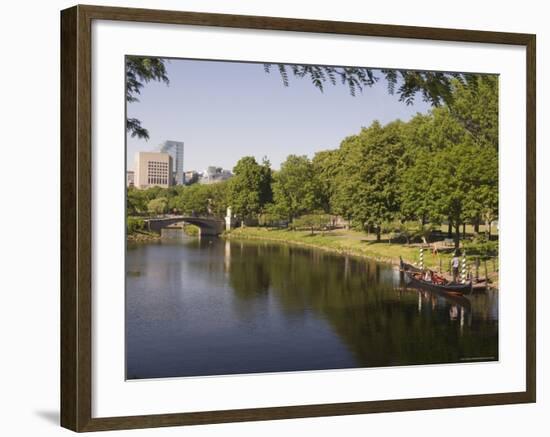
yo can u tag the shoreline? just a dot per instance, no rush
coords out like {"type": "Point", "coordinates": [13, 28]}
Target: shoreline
{"type": "Point", "coordinates": [345, 246]}
{"type": "Point", "coordinates": [340, 242]}
{"type": "Point", "coordinates": [238, 234]}
{"type": "Point", "coordinates": [142, 237]}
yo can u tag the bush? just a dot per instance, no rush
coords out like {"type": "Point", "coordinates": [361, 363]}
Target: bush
{"type": "Point", "coordinates": [134, 224]}
{"type": "Point", "coordinates": [158, 206]}
{"type": "Point", "coordinates": [191, 230]}
{"type": "Point", "coordinates": [481, 246]}
{"type": "Point", "coordinates": [312, 222]}
{"type": "Point", "coordinates": [410, 231]}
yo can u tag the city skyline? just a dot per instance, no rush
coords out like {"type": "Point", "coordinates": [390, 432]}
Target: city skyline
{"type": "Point", "coordinates": [225, 110]}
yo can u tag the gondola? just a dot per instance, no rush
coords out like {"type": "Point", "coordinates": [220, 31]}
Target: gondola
{"type": "Point", "coordinates": [411, 274]}
{"type": "Point", "coordinates": [408, 267]}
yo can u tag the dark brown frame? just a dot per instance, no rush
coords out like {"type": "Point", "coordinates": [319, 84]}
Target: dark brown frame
{"type": "Point", "coordinates": [76, 219]}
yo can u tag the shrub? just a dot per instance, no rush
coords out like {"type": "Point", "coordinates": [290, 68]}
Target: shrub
{"type": "Point", "coordinates": [312, 222]}
{"type": "Point", "coordinates": [191, 230]}
{"type": "Point", "coordinates": [481, 246]}
{"type": "Point", "coordinates": [134, 224]}
{"type": "Point", "coordinates": [158, 206]}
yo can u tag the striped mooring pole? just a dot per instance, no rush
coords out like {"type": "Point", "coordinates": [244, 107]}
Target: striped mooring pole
{"type": "Point", "coordinates": [421, 258]}
{"type": "Point", "coordinates": [463, 268]}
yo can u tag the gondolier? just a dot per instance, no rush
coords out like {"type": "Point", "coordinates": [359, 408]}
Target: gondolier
{"type": "Point", "coordinates": [455, 264]}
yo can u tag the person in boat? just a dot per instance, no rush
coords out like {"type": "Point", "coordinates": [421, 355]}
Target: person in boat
{"type": "Point", "coordinates": [455, 263]}
{"type": "Point", "coordinates": [438, 279]}
{"type": "Point", "coordinates": [428, 276]}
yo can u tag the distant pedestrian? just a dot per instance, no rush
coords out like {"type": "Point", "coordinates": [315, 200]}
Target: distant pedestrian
{"type": "Point", "coordinates": [455, 263]}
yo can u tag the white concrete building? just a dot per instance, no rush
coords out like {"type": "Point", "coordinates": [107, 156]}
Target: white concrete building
{"type": "Point", "coordinates": [152, 169]}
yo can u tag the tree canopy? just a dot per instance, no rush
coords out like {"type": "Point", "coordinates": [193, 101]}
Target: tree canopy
{"type": "Point", "coordinates": [437, 167]}
{"type": "Point", "coordinates": [434, 87]}
{"type": "Point", "coordinates": [250, 187]}
{"type": "Point", "coordinates": [295, 188]}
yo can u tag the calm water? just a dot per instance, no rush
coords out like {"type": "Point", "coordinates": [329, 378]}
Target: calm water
{"type": "Point", "coordinates": [211, 307]}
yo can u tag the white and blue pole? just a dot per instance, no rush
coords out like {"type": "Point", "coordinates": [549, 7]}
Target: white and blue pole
{"type": "Point", "coordinates": [463, 269]}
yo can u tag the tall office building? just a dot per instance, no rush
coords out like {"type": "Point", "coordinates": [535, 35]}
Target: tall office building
{"type": "Point", "coordinates": [152, 169]}
{"type": "Point", "coordinates": [175, 149]}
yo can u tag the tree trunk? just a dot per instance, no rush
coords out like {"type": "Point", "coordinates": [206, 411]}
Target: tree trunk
{"type": "Point", "coordinates": [476, 225]}
{"type": "Point", "coordinates": [463, 231]}
{"type": "Point", "coordinates": [450, 230]}
{"type": "Point", "coordinates": [378, 233]}
{"type": "Point", "coordinates": [457, 235]}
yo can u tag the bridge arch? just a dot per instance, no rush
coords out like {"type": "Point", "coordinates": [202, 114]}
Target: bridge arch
{"type": "Point", "coordinates": [207, 225]}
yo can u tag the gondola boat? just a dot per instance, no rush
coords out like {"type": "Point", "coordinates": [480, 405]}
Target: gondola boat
{"type": "Point", "coordinates": [408, 267]}
{"type": "Point", "coordinates": [413, 276]}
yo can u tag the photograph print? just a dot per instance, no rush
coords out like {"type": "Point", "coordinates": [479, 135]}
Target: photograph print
{"type": "Point", "coordinates": [297, 217]}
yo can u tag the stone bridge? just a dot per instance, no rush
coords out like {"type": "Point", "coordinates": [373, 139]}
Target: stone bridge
{"type": "Point", "coordinates": [207, 225]}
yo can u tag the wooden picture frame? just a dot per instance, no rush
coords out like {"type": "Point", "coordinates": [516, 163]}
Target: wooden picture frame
{"type": "Point", "coordinates": [76, 217]}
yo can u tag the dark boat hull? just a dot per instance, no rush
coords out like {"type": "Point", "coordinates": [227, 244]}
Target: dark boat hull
{"type": "Point", "coordinates": [451, 289]}
{"type": "Point", "coordinates": [456, 289]}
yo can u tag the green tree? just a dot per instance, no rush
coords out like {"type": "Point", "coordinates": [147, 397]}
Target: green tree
{"type": "Point", "coordinates": [475, 107]}
{"type": "Point", "coordinates": [326, 167]}
{"type": "Point", "coordinates": [172, 195]}
{"type": "Point", "coordinates": [464, 182]}
{"type": "Point", "coordinates": [295, 190]}
{"type": "Point", "coordinates": [423, 136]}
{"type": "Point", "coordinates": [158, 206]}
{"type": "Point", "coordinates": [368, 185]}
{"type": "Point", "coordinates": [416, 199]}
{"type": "Point", "coordinates": [218, 198]}
{"type": "Point", "coordinates": [193, 200]}
{"type": "Point", "coordinates": [136, 202]}
{"type": "Point", "coordinates": [482, 203]}
{"type": "Point", "coordinates": [250, 187]}
{"type": "Point", "coordinates": [134, 224]}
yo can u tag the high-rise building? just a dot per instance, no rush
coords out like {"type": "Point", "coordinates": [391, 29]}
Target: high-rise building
{"type": "Point", "coordinates": [175, 149]}
{"type": "Point", "coordinates": [152, 169]}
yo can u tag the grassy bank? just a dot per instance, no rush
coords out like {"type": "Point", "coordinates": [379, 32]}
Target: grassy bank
{"type": "Point", "coordinates": [354, 243]}
{"type": "Point", "coordinates": [138, 236]}
{"type": "Point", "coordinates": [341, 241]}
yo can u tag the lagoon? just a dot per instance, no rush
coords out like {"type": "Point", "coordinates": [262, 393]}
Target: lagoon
{"type": "Point", "coordinates": [210, 306]}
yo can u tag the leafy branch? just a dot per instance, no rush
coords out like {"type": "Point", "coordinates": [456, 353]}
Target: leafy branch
{"type": "Point", "coordinates": [139, 71]}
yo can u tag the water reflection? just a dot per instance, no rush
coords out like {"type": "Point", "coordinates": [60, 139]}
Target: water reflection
{"type": "Point", "coordinates": [209, 306]}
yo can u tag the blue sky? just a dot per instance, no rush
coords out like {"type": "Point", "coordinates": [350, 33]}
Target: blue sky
{"type": "Point", "coordinates": [225, 110]}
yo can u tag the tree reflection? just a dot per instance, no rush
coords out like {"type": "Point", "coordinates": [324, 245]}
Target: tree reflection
{"type": "Point", "coordinates": [380, 325]}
